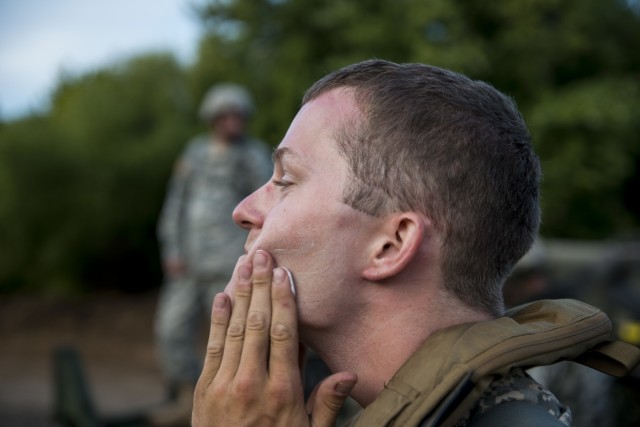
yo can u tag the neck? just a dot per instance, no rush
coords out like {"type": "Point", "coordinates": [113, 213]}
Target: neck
{"type": "Point", "coordinates": [378, 341]}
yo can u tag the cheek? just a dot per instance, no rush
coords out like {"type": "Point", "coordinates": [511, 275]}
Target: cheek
{"type": "Point", "coordinates": [295, 249]}
{"type": "Point", "coordinates": [288, 232]}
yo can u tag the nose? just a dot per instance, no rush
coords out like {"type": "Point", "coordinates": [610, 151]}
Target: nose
{"type": "Point", "coordinates": [251, 211]}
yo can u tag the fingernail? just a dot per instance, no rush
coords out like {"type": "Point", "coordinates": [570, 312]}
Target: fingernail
{"type": "Point", "coordinates": [278, 276]}
{"type": "Point", "coordinates": [343, 388]}
{"type": "Point", "coordinates": [260, 259]}
{"type": "Point", "coordinates": [219, 301]}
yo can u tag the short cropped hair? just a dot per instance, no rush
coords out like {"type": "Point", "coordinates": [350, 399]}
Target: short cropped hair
{"type": "Point", "coordinates": [457, 150]}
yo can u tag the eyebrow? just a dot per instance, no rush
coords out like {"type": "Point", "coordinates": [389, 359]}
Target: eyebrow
{"type": "Point", "coordinates": [282, 153]}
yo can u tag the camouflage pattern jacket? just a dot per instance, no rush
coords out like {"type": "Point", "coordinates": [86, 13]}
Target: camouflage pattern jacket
{"type": "Point", "coordinates": [517, 387]}
{"type": "Point", "coordinates": [465, 373]}
{"type": "Point", "coordinates": [208, 181]}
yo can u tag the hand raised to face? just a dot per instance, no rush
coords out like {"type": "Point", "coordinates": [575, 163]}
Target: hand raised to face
{"type": "Point", "coordinates": [251, 374]}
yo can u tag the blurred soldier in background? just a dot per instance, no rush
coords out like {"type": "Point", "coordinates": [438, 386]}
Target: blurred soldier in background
{"type": "Point", "coordinates": [199, 242]}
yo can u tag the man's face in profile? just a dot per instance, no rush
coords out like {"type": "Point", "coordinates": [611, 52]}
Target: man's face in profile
{"type": "Point", "coordinates": [300, 217]}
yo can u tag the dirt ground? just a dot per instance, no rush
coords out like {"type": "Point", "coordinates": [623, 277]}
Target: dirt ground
{"type": "Point", "coordinates": [111, 332]}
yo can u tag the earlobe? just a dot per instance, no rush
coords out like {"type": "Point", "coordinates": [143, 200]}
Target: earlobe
{"type": "Point", "coordinates": [395, 245]}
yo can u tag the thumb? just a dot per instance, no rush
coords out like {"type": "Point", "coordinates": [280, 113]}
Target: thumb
{"type": "Point", "coordinates": [327, 399]}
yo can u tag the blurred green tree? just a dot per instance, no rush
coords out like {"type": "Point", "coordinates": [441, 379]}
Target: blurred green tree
{"type": "Point", "coordinates": [82, 185]}
{"type": "Point", "coordinates": [571, 65]}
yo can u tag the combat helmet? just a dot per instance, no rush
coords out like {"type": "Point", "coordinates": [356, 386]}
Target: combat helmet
{"type": "Point", "coordinates": [225, 97]}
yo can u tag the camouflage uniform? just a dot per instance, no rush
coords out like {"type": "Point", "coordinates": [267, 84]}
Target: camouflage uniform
{"type": "Point", "coordinates": [196, 226]}
{"type": "Point", "coordinates": [517, 386]}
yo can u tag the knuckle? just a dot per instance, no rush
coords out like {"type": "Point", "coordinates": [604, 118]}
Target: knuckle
{"type": "Point", "coordinates": [281, 332]}
{"type": "Point", "coordinates": [216, 393]}
{"type": "Point", "coordinates": [243, 291]}
{"type": "Point", "coordinates": [202, 393]}
{"type": "Point", "coordinates": [219, 319]}
{"type": "Point", "coordinates": [280, 393]}
{"type": "Point", "coordinates": [256, 321]}
{"type": "Point", "coordinates": [333, 403]}
{"type": "Point", "coordinates": [235, 331]}
{"type": "Point", "coordinates": [260, 281]}
{"type": "Point", "coordinates": [244, 388]}
{"type": "Point", "coordinates": [215, 349]}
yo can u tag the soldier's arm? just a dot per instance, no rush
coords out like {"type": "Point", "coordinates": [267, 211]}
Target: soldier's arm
{"type": "Point", "coordinates": [169, 225]}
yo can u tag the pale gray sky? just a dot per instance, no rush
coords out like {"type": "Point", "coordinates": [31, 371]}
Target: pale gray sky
{"type": "Point", "coordinates": [39, 39]}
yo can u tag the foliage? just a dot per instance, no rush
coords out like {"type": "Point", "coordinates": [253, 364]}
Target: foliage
{"type": "Point", "coordinates": [81, 185]}
{"type": "Point", "coordinates": [572, 66]}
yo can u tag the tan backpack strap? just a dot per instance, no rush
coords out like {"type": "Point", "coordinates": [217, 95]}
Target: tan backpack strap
{"type": "Point", "coordinates": [616, 358]}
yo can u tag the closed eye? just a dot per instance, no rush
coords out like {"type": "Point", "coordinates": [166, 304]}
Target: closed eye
{"type": "Point", "coordinates": [281, 183]}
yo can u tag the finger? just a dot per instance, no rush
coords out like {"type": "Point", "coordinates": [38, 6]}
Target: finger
{"type": "Point", "coordinates": [283, 358]}
{"type": "Point", "coordinates": [256, 340]}
{"type": "Point", "coordinates": [220, 314]}
{"type": "Point", "coordinates": [327, 399]}
{"type": "Point", "coordinates": [235, 332]}
{"type": "Point", "coordinates": [230, 289]}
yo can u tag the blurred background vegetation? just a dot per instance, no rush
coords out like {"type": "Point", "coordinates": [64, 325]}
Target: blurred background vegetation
{"type": "Point", "coordinates": [81, 185]}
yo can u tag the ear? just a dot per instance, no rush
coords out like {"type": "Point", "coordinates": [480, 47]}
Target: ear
{"type": "Point", "coordinates": [394, 245]}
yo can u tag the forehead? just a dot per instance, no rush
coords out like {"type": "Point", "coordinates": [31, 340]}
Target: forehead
{"type": "Point", "coordinates": [311, 138]}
